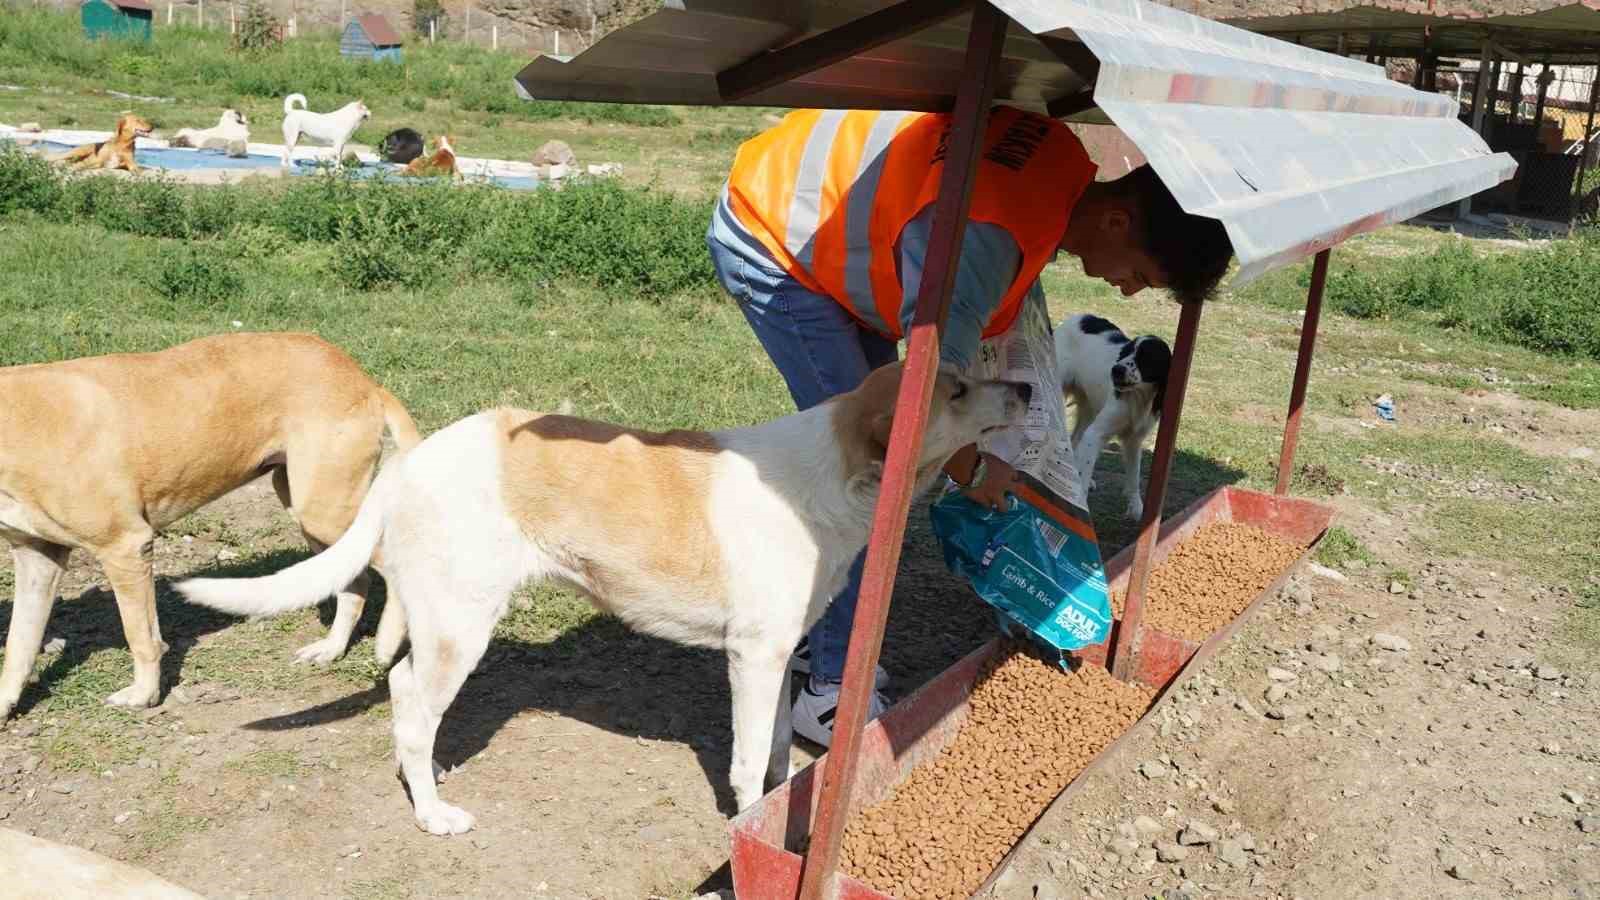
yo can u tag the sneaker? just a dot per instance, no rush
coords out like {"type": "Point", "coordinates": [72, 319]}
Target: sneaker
{"type": "Point", "coordinates": [814, 710]}
{"type": "Point", "coordinates": [800, 662]}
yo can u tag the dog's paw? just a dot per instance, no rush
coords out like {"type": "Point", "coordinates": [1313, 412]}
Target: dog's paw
{"type": "Point", "coordinates": [320, 653]}
{"type": "Point", "coordinates": [6, 706]}
{"type": "Point", "coordinates": [445, 819]}
{"type": "Point", "coordinates": [133, 697]}
{"type": "Point", "coordinates": [1135, 508]}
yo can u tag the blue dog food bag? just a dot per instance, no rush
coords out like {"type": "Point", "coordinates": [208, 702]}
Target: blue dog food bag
{"type": "Point", "coordinates": [1037, 562]}
{"type": "Point", "coordinates": [1036, 572]}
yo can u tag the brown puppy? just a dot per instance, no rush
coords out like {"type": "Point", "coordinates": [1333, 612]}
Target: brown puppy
{"type": "Point", "coordinates": [116, 153]}
{"type": "Point", "coordinates": [442, 162]}
{"type": "Point", "coordinates": [103, 452]}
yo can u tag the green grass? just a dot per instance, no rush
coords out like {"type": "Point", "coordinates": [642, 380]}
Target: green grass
{"type": "Point", "coordinates": [1340, 547]}
{"type": "Point", "coordinates": [375, 235]}
{"type": "Point", "coordinates": [1539, 298]}
{"type": "Point", "coordinates": [601, 295]}
{"type": "Point", "coordinates": [453, 88]}
{"type": "Point", "coordinates": [41, 46]}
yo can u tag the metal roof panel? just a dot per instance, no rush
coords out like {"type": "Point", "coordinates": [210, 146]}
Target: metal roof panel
{"type": "Point", "coordinates": [1291, 148]}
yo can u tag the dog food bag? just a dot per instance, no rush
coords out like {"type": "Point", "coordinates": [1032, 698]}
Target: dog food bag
{"type": "Point", "coordinates": [1037, 562]}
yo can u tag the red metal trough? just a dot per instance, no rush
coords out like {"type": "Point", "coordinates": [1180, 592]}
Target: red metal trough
{"type": "Point", "coordinates": [767, 836]}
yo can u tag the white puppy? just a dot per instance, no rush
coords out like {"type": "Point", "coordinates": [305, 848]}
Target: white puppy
{"type": "Point", "coordinates": [334, 128]}
{"type": "Point", "coordinates": [232, 126]}
{"type": "Point", "coordinates": [733, 539]}
{"type": "Point", "coordinates": [1117, 385]}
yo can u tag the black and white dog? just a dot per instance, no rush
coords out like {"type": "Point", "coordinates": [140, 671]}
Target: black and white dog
{"type": "Point", "coordinates": [1118, 385]}
{"type": "Point", "coordinates": [401, 145]}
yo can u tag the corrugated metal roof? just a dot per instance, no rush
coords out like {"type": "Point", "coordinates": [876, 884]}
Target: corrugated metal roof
{"type": "Point", "coordinates": [1566, 33]}
{"type": "Point", "coordinates": [1292, 149]}
{"type": "Point", "coordinates": [379, 31]}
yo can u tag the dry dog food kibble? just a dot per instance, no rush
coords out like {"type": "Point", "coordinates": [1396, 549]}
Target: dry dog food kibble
{"type": "Point", "coordinates": [1031, 729]}
{"type": "Point", "coordinates": [1211, 577]}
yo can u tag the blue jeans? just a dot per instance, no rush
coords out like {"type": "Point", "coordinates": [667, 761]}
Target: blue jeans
{"type": "Point", "coordinates": [821, 352]}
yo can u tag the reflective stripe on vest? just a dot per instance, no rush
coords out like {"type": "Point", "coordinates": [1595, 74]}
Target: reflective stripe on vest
{"type": "Point", "coordinates": [827, 193]}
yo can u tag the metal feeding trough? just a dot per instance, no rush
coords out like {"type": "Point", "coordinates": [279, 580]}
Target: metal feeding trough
{"type": "Point", "coordinates": [769, 837]}
{"type": "Point", "coordinates": [1292, 149]}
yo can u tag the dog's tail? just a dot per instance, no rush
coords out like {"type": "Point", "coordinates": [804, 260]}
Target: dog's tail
{"type": "Point", "coordinates": [395, 418]}
{"type": "Point", "coordinates": [288, 102]}
{"type": "Point", "coordinates": [306, 583]}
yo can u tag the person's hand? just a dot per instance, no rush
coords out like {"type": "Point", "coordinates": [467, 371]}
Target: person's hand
{"type": "Point", "coordinates": [996, 481]}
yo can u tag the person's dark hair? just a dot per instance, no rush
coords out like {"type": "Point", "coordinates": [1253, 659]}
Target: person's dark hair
{"type": "Point", "coordinates": [1194, 251]}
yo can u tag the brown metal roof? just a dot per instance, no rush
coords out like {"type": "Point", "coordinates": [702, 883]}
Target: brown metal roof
{"type": "Point", "coordinates": [379, 31]}
{"type": "Point", "coordinates": [1569, 32]}
{"type": "Point", "coordinates": [139, 5]}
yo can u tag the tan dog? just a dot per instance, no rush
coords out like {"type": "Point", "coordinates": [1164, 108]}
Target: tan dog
{"type": "Point", "coordinates": [442, 162]}
{"type": "Point", "coordinates": [731, 539]}
{"type": "Point", "coordinates": [116, 153]}
{"type": "Point", "coordinates": [103, 452]}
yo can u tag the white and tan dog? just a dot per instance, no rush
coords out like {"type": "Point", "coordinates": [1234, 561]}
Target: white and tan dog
{"type": "Point", "coordinates": [103, 452]}
{"type": "Point", "coordinates": [732, 539]}
{"type": "Point", "coordinates": [232, 126]}
{"type": "Point", "coordinates": [333, 128]}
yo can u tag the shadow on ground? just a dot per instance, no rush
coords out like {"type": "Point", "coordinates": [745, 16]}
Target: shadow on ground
{"type": "Point", "coordinates": [607, 676]}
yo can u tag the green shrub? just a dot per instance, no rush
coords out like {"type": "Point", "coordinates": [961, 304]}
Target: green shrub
{"type": "Point", "coordinates": [258, 28]}
{"type": "Point", "coordinates": [395, 231]}
{"type": "Point", "coordinates": [26, 182]}
{"type": "Point", "coordinates": [624, 238]}
{"type": "Point", "coordinates": [1543, 298]}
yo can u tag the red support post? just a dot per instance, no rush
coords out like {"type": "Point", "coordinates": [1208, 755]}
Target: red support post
{"type": "Point", "coordinates": [968, 123]}
{"type": "Point", "coordinates": [1302, 370]}
{"type": "Point", "coordinates": [1127, 633]}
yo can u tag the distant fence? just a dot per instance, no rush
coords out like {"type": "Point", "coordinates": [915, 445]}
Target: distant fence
{"type": "Point", "coordinates": [463, 22]}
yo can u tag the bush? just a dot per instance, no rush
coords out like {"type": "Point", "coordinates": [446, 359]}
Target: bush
{"type": "Point", "coordinates": [258, 28]}
{"type": "Point", "coordinates": [625, 238]}
{"type": "Point", "coordinates": [1542, 298]}
{"type": "Point", "coordinates": [387, 232]}
{"type": "Point", "coordinates": [26, 182]}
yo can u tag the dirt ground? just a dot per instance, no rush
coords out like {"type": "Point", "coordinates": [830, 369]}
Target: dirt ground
{"type": "Point", "coordinates": [595, 760]}
{"type": "Point", "coordinates": [1462, 767]}
{"type": "Point", "coordinates": [595, 763]}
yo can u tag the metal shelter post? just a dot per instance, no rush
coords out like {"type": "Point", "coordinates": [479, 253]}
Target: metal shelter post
{"type": "Point", "coordinates": [1545, 77]}
{"type": "Point", "coordinates": [1127, 633]}
{"type": "Point", "coordinates": [968, 122]}
{"type": "Point", "coordinates": [1302, 371]}
{"type": "Point", "coordinates": [1480, 90]}
{"type": "Point", "coordinates": [1588, 147]}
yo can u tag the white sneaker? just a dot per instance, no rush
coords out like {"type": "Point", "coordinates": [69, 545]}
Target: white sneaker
{"type": "Point", "coordinates": [814, 710]}
{"type": "Point", "coordinates": [800, 662]}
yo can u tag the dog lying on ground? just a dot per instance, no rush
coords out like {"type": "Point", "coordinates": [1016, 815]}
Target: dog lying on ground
{"type": "Point", "coordinates": [232, 126]}
{"type": "Point", "coordinates": [116, 153]}
{"type": "Point", "coordinates": [442, 162]}
{"type": "Point", "coordinates": [1117, 385]}
{"type": "Point", "coordinates": [334, 128]}
{"type": "Point", "coordinates": [103, 452]}
{"type": "Point", "coordinates": [401, 146]}
{"type": "Point", "coordinates": [733, 539]}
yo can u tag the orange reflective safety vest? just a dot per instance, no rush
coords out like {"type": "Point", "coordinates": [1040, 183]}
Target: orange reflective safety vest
{"type": "Point", "coordinates": [827, 192]}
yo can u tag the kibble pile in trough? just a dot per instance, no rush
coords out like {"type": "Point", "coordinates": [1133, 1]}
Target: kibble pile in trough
{"type": "Point", "coordinates": [1031, 729]}
{"type": "Point", "coordinates": [1211, 577]}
